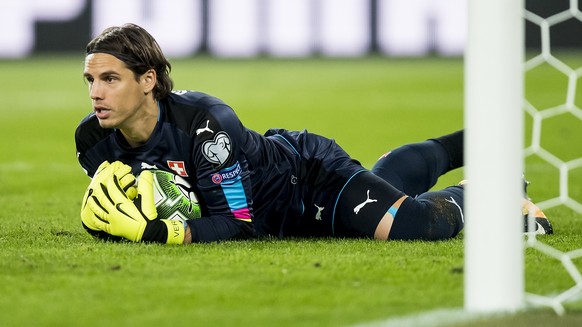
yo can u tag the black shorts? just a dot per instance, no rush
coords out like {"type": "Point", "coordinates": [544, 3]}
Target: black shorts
{"type": "Point", "coordinates": [361, 204]}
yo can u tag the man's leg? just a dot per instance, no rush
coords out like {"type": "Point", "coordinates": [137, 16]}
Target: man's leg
{"type": "Point", "coordinates": [415, 168]}
{"type": "Point", "coordinates": [370, 207]}
{"type": "Point", "coordinates": [430, 216]}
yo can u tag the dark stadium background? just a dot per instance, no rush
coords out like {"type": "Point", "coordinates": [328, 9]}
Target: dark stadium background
{"type": "Point", "coordinates": [72, 36]}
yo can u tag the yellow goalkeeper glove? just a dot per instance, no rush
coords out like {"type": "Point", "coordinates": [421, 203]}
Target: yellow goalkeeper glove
{"type": "Point", "coordinates": [105, 171]}
{"type": "Point", "coordinates": [116, 214]}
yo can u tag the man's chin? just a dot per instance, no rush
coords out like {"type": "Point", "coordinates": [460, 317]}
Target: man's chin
{"type": "Point", "coordinates": [107, 124]}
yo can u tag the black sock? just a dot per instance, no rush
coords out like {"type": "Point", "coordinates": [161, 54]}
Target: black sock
{"type": "Point", "coordinates": [453, 144]}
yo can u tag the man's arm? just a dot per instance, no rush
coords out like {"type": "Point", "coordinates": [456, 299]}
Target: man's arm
{"type": "Point", "coordinates": [217, 228]}
{"type": "Point", "coordinates": [223, 179]}
{"type": "Point", "coordinates": [110, 207]}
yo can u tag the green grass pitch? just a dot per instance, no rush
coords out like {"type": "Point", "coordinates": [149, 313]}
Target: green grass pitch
{"type": "Point", "coordinates": [53, 274]}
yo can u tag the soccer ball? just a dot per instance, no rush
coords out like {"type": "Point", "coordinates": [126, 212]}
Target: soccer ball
{"type": "Point", "coordinates": [173, 197]}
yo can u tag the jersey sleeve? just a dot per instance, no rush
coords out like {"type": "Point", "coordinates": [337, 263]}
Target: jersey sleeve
{"type": "Point", "coordinates": [223, 177]}
{"type": "Point", "coordinates": [218, 228]}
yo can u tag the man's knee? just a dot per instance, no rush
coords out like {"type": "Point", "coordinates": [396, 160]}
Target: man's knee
{"type": "Point", "coordinates": [431, 216]}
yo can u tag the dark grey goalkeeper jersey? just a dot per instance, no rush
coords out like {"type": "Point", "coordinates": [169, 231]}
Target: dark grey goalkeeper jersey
{"type": "Point", "coordinates": [282, 183]}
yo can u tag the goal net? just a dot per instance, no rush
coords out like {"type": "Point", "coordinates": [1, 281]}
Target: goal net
{"type": "Point", "coordinates": [554, 116]}
{"type": "Point", "coordinates": [495, 67]}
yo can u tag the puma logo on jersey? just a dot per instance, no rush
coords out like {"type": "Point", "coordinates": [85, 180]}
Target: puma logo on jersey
{"type": "Point", "coordinates": [205, 129]}
{"type": "Point", "coordinates": [361, 205]}
{"type": "Point", "coordinates": [146, 166]}
{"type": "Point", "coordinates": [319, 210]}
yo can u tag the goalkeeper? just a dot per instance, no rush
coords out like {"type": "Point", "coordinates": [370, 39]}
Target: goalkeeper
{"type": "Point", "coordinates": [283, 183]}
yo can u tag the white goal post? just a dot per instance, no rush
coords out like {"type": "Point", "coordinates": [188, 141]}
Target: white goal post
{"type": "Point", "coordinates": [494, 248]}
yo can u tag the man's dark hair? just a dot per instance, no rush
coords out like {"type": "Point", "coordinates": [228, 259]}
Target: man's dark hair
{"type": "Point", "coordinates": [139, 51]}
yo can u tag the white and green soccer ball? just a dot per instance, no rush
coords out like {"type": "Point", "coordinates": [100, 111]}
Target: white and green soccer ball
{"type": "Point", "coordinates": [173, 197]}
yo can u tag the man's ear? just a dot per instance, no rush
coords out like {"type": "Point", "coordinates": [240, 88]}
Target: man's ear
{"type": "Point", "coordinates": [149, 80]}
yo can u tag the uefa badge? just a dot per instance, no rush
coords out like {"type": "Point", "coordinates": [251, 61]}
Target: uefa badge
{"type": "Point", "coordinates": [217, 151]}
{"type": "Point", "coordinates": [216, 178]}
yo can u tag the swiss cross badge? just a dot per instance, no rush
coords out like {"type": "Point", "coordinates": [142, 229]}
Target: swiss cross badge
{"type": "Point", "coordinates": [178, 167]}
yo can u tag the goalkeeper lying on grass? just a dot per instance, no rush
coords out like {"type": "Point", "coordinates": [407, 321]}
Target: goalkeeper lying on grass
{"type": "Point", "coordinates": [283, 183]}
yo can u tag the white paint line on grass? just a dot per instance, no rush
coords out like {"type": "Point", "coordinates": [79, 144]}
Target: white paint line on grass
{"type": "Point", "coordinates": [435, 318]}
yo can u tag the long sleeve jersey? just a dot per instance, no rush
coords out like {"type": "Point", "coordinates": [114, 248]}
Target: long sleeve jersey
{"type": "Point", "coordinates": [247, 184]}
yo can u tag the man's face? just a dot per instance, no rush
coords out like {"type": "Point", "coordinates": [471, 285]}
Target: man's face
{"type": "Point", "coordinates": [118, 98]}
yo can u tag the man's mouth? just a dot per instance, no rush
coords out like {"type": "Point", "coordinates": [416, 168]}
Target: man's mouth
{"type": "Point", "coordinates": [102, 112]}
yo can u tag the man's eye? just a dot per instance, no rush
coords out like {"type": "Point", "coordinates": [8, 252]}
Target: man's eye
{"type": "Point", "coordinates": [110, 79]}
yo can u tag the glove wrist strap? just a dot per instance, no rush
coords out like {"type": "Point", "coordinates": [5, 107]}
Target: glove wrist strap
{"type": "Point", "coordinates": [155, 231]}
{"type": "Point", "coordinates": [175, 231]}
{"type": "Point", "coordinates": [164, 231]}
